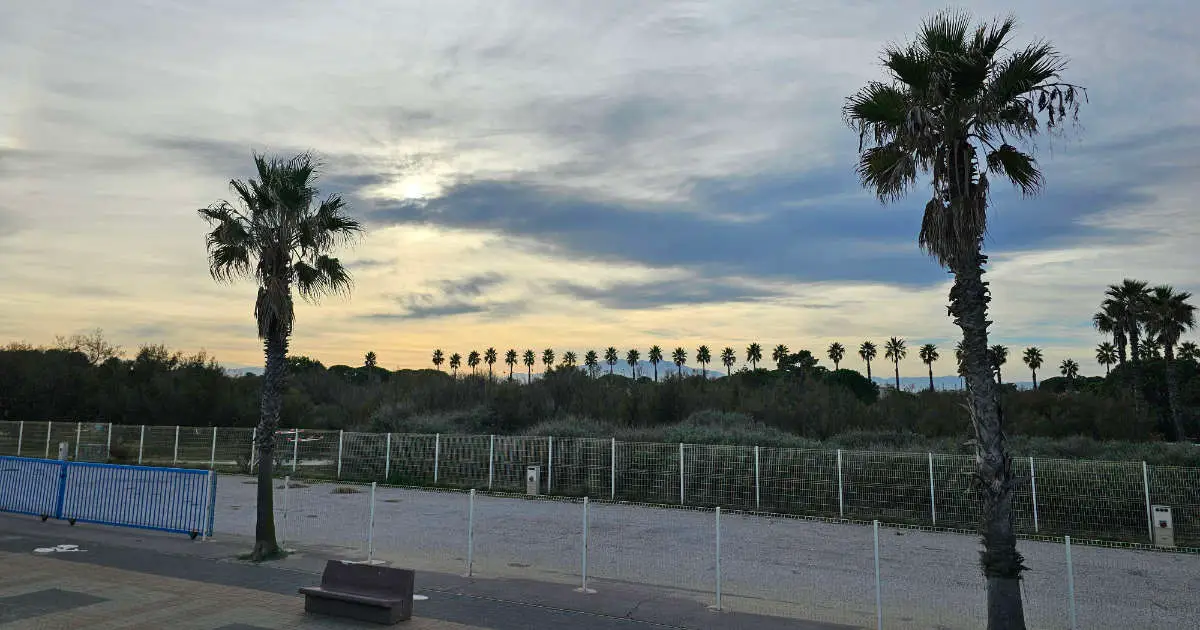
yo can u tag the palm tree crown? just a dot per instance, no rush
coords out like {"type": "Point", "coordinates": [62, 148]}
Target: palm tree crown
{"type": "Point", "coordinates": [867, 352]}
{"type": "Point", "coordinates": [1168, 315]}
{"type": "Point", "coordinates": [592, 361]}
{"type": "Point", "coordinates": [548, 358]}
{"type": "Point", "coordinates": [703, 357]}
{"type": "Point", "coordinates": [632, 357]}
{"type": "Point", "coordinates": [569, 358]}
{"type": "Point", "coordinates": [679, 357]}
{"type": "Point", "coordinates": [895, 350]}
{"type": "Point", "coordinates": [779, 355]}
{"type": "Point", "coordinates": [728, 359]}
{"type": "Point", "coordinates": [1106, 355]}
{"type": "Point", "coordinates": [655, 357]}
{"type": "Point", "coordinates": [836, 352]}
{"type": "Point", "coordinates": [998, 356]}
{"type": "Point", "coordinates": [490, 357]}
{"type": "Point", "coordinates": [455, 362]}
{"type": "Point", "coordinates": [611, 358]}
{"type": "Point", "coordinates": [1033, 360]}
{"type": "Point", "coordinates": [510, 358]}
{"type": "Point", "coordinates": [928, 354]}
{"type": "Point", "coordinates": [529, 358]}
{"type": "Point", "coordinates": [438, 358]}
{"type": "Point", "coordinates": [473, 360]}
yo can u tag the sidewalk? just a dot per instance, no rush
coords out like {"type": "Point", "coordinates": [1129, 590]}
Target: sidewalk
{"type": "Point", "coordinates": [123, 578]}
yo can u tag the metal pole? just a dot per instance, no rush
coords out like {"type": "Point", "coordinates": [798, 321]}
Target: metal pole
{"type": "Point", "coordinates": [1033, 495]}
{"type": "Point", "coordinates": [681, 473]}
{"type": "Point", "coordinates": [470, 532]}
{"type": "Point", "coordinates": [175, 455]}
{"type": "Point", "coordinates": [296, 448]}
{"type": "Point", "coordinates": [1146, 487]}
{"type": "Point", "coordinates": [612, 471]}
{"type": "Point", "coordinates": [549, 462]}
{"type": "Point", "coordinates": [583, 587]}
{"type": "Point", "coordinates": [212, 455]}
{"type": "Point", "coordinates": [78, 434]}
{"type": "Point", "coordinates": [718, 523]}
{"type": "Point", "coordinates": [208, 484]}
{"type": "Point", "coordinates": [371, 529]}
{"type": "Point", "coordinates": [339, 468]}
{"type": "Point", "coordinates": [878, 589]}
{"type": "Point", "coordinates": [20, 436]}
{"type": "Point", "coordinates": [49, 428]}
{"type": "Point", "coordinates": [437, 452]}
{"type": "Point", "coordinates": [841, 494]}
{"type": "Point", "coordinates": [387, 459]}
{"type": "Point", "coordinates": [1070, 581]}
{"type": "Point", "coordinates": [491, 460]}
{"type": "Point", "coordinates": [141, 444]}
{"type": "Point", "coordinates": [757, 494]}
{"type": "Point", "coordinates": [108, 444]}
{"type": "Point", "coordinates": [287, 482]}
{"type": "Point", "coordinates": [932, 495]}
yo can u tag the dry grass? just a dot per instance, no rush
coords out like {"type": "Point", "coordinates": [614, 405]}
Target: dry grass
{"type": "Point", "coordinates": [346, 490]}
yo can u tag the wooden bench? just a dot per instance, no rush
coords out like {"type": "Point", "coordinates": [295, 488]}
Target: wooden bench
{"type": "Point", "coordinates": [363, 592]}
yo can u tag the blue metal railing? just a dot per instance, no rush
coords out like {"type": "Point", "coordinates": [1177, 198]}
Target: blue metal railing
{"type": "Point", "coordinates": [162, 499]}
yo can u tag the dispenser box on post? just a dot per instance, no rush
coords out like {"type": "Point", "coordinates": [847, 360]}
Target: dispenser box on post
{"type": "Point", "coordinates": [1164, 526]}
{"type": "Point", "coordinates": [533, 480]}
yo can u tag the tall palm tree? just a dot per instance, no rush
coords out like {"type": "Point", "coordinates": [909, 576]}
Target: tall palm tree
{"type": "Point", "coordinates": [632, 357]}
{"type": "Point", "coordinates": [281, 235]}
{"type": "Point", "coordinates": [867, 352]}
{"type": "Point", "coordinates": [754, 355]}
{"type": "Point", "coordinates": [1168, 315]}
{"type": "Point", "coordinates": [779, 355]}
{"type": "Point", "coordinates": [490, 357]}
{"type": "Point", "coordinates": [998, 355]}
{"type": "Point", "coordinates": [611, 358]}
{"type": "Point", "coordinates": [895, 350]}
{"type": "Point", "coordinates": [529, 358]}
{"type": "Point", "coordinates": [438, 359]}
{"type": "Point", "coordinates": [371, 360]}
{"type": "Point", "coordinates": [1188, 351]}
{"type": "Point", "coordinates": [679, 356]}
{"type": "Point", "coordinates": [655, 356]}
{"type": "Point", "coordinates": [836, 352]}
{"type": "Point", "coordinates": [1108, 321]}
{"type": "Point", "coordinates": [728, 359]}
{"type": "Point", "coordinates": [1106, 355]}
{"type": "Point", "coordinates": [929, 354]}
{"type": "Point", "coordinates": [954, 99]}
{"type": "Point", "coordinates": [547, 358]}
{"type": "Point", "coordinates": [569, 358]}
{"type": "Point", "coordinates": [455, 363]}
{"type": "Point", "coordinates": [591, 360]}
{"type": "Point", "coordinates": [1124, 304]}
{"type": "Point", "coordinates": [510, 358]}
{"type": "Point", "coordinates": [703, 357]}
{"type": "Point", "coordinates": [473, 360]}
{"type": "Point", "coordinates": [1033, 360]}
{"type": "Point", "coordinates": [1070, 369]}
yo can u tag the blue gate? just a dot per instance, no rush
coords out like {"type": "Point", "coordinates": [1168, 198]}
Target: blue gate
{"type": "Point", "coordinates": [163, 499]}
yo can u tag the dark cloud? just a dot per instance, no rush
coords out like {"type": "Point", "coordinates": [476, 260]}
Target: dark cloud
{"type": "Point", "coordinates": [447, 298]}
{"type": "Point", "coordinates": [663, 293]}
{"type": "Point", "coordinates": [427, 311]}
{"type": "Point", "coordinates": [472, 286]}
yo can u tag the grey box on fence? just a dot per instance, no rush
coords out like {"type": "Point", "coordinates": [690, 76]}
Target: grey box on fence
{"type": "Point", "coordinates": [533, 480]}
{"type": "Point", "coordinates": [1164, 526]}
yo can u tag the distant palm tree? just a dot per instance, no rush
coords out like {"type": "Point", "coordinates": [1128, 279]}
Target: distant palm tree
{"type": "Point", "coordinates": [679, 356]}
{"type": "Point", "coordinates": [998, 355]}
{"type": "Point", "coordinates": [1069, 369]}
{"type": "Point", "coordinates": [728, 358]}
{"type": "Point", "coordinates": [958, 358]}
{"type": "Point", "coordinates": [1033, 360]}
{"type": "Point", "coordinates": [1107, 321]}
{"type": "Point", "coordinates": [473, 360]}
{"type": "Point", "coordinates": [611, 358]}
{"type": "Point", "coordinates": [1168, 315]}
{"type": "Point", "coordinates": [929, 354]}
{"type": "Point", "coordinates": [836, 352]}
{"type": "Point", "coordinates": [592, 361]}
{"type": "Point", "coordinates": [779, 355]}
{"type": "Point", "coordinates": [547, 358]}
{"type": "Point", "coordinates": [867, 352]}
{"type": "Point", "coordinates": [569, 359]}
{"type": "Point", "coordinates": [703, 357]}
{"type": "Point", "coordinates": [754, 355]}
{"type": "Point", "coordinates": [438, 359]}
{"type": "Point", "coordinates": [510, 358]}
{"type": "Point", "coordinates": [655, 357]}
{"type": "Point", "coordinates": [490, 357]}
{"type": "Point", "coordinates": [632, 357]}
{"type": "Point", "coordinates": [1188, 351]}
{"type": "Point", "coordinates": [529, 358]}
{"type": "Point", "coordinates": [455, 363]}
{"type": "Point", "coordinates": [370, 360]}
{"type": "Point", "coordinates": [1106, 355]}
{"type": "Point", "coordinates": [281, 235]}
{"type": "Point", "coordinates": [895, 350]}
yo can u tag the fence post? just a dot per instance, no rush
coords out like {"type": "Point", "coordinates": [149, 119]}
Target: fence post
{"type": "Point", "coordinates": [681, 473]}
{"type": "Point", "coordinates": [878, 588]}
{"type": "Point", "coordinates": [1033, 495]}
{"type": "Point", "coordinates": [175, 456]}
{"type": "Point", "coordinates": [841, 494]}
{"type": "Point", "coordinates": [340, 436]}
{"type": "Point", "coordinates": [387, 459]}
{"type": "Point", "coordinates": [49, 427]}
{"type": "Point", "coordinates": [932, 494]}
{"type": "Point", "coordinates": [212, 455]}
{"type": "Point", "coordinates": [718, 528]}
{"type": "Point", "coordinates": [549, 462]}
{"type": "Point", "coordinates": [1070, 581]}
{"type": "Point", "coordinates": [757, 494]}
{"type": "Point", "coordinates": [491, 460]}
{"type": "Point", "coordinates": [583, 587]}
{"type": "Point", "coordinates": [141, 444]}
{"type": "Point", "coordinates": [612, 471]}
{"type": "Point", "coordinates": [108, 444]}
{"type": "Point", "coordinates": [208, 490]}
{"type": "Point", "coordinates": [295, 448]}
{"type": "Point", "coordinates": [78, 435]}
{"type": "Point", "coordinates": [287, 482]}
{"type": "Point", "coordinates": [470, 532]}
{"type": "Point", "coordinates": [437, 453]}
{"type": "Point", "coordinates": [371, 529]}
{"type": "Point", "coordinates": [1146, 487]}
{"type": "Point", "coordinates": [20, 436]}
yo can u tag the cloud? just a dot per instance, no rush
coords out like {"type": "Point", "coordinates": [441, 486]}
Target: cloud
{"type": "Point", "coordinates": [449, 297]}
{"type": "Point", "coordinates": [416, 310]}
{"type": "Point", "coordinates": [656, 294]}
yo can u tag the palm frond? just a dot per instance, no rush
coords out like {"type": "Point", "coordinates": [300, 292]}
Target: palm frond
{"type": "Point", "coordinates": [877, 110]}
{"type": "Point", "coordinates": [945, 33]}
{"type": "Point", "coordinates": [887, 170]}
{"type": "Point", "coordinates": [321, 277]}
{"type": "Point", "coordinates": [1020, 168]}
{"type": "Point", "coordinates": [990, 39]}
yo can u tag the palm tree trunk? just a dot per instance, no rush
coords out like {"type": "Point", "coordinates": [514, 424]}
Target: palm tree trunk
{"type": "Point", "coordinates": [1106, 370]}
{"type": "Point", "coordinates": [1034, 379]}
{"type": "Point", "coordinates": [1002, 564]}
{"type": "Point", "coordinates": [528, 374]}
{"type": "Point", "coordinates": [930, 376]}
{"type": "Point", "coordinates": [274, 380]}
{"type": "Point", "coordinates": [655, 364]}
{"type": "Point", "coordinates": [868, 369]}
{"type": "Point", "coordinates": [1173, 393]}
{"type": "Point", "coordinates": [897, 362]}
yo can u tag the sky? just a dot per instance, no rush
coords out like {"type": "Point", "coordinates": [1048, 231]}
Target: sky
{"type": "Point", "coordinates": [564, 174]}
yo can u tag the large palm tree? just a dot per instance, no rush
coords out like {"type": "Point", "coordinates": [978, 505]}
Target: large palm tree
{"type": "Point", "coordinates": [836, 352]}
{"type": "Point", "coordinates": [998, 356]}
{"type": "Point", "coordinates": [569, 359]}
{"type": "Point", "coordinates": [371, 360]}
{"type": "Point", "coordinates": [1124, 304]}
{"type": "Point", "coordinates": [438, 358]}
{"type": "Point", "coordinates": [279, 233]}
{"type": "Point", "coordinates": [1107, 321]}
{"type": "Point", "coordinates": [703, 357]}
{"type": "Point", "coordinates": [473, 360]}
{"type": "Point", "coordinates": [529, 358]}
{"type": "Point", "coordinates": [753, 355]}
{"type": "Point", "coordinates": [867, 352]}
{"type": "Point", "coordinates": [455, 363]}
{"type": "Point", "coordinates": [655, 356]}
{"type": "Point", "coordinates": [1033, 360]}
{"type": "Point", "coordinates": [490, 357]}
{"type": "Point", "coordinates": [611, 357]}
{"type": "Point", "coordinates": [1188, 351]}
{"type": "Point", "coordinates": [955, 99]}
{"type": "Point", "coordinates": [728, 359]}
{"type": "Point", "coordinates": [591, 361]}
{"type": "Point", "coordinates": [1106, 355]}
{"type": "Point", "coordinates": [632, 357]}
{"type": "Point", "coordinates": [929, 354]}
{"type": "Point", "coordinates": [895, 350]}
{"type": "Point", "coordinates": [1168, 315]}
{"type": "Point", "coordinates": [1069, 369]}
{"type": "Point", "coordinates": [779, 355]}
{"type": "Point", "coordinates": [679, 356]}
{"type": "Point", "coordinates": [510, 359]}
{"type": "Point", "coordinates": [547, 359]}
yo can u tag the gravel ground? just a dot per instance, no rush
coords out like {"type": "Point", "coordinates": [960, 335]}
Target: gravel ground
{"type": "Point", "coordinates": [809, 570]}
